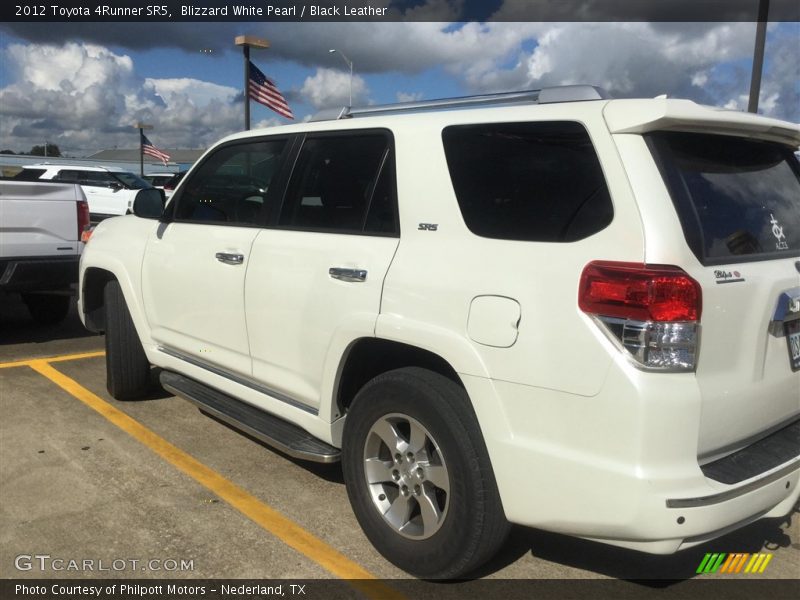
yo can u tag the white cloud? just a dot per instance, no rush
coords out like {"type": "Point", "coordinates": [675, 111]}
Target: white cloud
{"type": "Point", "coordinates": [329, 87]}
{"type": "Point", "coordinates": [85, 98]}
{"type": "Point", "coordinates": [409, 96]}
{"type": "Point", "coordinates": [199, 93]}
{"type": "Point", "coordinates": [93, 94]}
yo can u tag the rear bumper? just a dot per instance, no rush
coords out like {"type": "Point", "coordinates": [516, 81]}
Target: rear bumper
{"type": "Point", "coordinates": [621, 467]}
{"type": "Point", "coordinates": [32, 274]}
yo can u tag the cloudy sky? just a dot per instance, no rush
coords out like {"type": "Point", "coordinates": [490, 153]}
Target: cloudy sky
{"type": "Point", "coordinates": [82, 85]}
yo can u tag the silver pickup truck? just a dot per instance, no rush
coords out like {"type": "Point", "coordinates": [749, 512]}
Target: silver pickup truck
{"type": "Point", "coordinates": [40, 244]}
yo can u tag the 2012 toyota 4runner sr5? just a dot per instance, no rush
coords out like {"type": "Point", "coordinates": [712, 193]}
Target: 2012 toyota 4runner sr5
{"type": "Point", "coordinates": [554, 309]}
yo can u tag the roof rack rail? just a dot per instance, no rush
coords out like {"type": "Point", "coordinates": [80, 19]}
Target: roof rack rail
{"type": "Point", "coordinates": [548, 95]}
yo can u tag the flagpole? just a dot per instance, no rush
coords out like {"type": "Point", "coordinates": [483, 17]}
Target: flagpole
{"type": "Point", "coordinates": [246, 42]}
{"type": "Point", "coordinates": [141, 127]}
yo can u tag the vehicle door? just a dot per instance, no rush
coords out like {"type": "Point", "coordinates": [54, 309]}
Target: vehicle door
{"type": "Point", "coordinates": [315, 278]}
{"type": "Point", "coordinates": [195, 264]}
{"type": "Point", "coordinates": [107, 195]}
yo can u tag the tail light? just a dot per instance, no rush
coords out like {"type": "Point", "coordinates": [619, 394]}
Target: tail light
{"type": "Point", "coordinates": [83, 217]}
{"type": "Point", "coordinates": [651, 311]}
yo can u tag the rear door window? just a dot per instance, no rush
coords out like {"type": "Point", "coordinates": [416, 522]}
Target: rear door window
{"type": "Point", "coordinates": [343, 183]}
{"type": "Point", "coordinates": [737, 199]}
{"type": "Point", "coordinates": [538, 182]}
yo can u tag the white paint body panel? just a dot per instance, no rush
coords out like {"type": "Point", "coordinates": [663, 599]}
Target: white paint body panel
{"type": "Point", "coordinates": [300, 320]}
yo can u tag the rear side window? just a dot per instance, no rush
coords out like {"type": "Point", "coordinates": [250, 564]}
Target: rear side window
{"type": "Point", "coordinates": [97, 178]}
{"type": "Point", "coordinates": [129, 180]}
{"type": "Point", "coordinates": [70, 176]}
{"type": "Point", "coordinates": [737, 199]}
{"type": "Point", "coordinates": [528, 181]}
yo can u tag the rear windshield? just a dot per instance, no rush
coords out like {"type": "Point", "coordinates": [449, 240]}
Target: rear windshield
{"type": "Point", "coordinates": [737, 199]}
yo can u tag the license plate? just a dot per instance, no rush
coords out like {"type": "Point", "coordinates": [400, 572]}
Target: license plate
{"type": "Point", "coordinates": [792, 329]}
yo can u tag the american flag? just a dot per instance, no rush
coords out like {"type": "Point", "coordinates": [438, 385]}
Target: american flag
{"type": "Point", "coordinates": [149, 149]}
{"type": "Point", "coordinates": [263, 91]}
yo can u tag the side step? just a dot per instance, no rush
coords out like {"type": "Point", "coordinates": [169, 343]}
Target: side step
{"type": "Point", "coordinates": [272, 430]}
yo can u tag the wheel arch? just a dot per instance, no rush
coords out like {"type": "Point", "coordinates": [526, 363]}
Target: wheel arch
{"type": "Point", "coordinates": [366, 358]}
{"type": "Point", "coordinates": [92, 301]}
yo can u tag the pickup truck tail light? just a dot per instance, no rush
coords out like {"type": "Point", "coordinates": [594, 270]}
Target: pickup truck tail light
{"type": "Point", "coordinates": [652, 312]}
{"type": "Point", "coordinates": [83, 217]}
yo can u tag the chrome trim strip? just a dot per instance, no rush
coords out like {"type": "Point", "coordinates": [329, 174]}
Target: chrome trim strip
{"type": "Point", "coordinates": [239, 379]}
{"type": "Point", "coordinates": [735, 493]}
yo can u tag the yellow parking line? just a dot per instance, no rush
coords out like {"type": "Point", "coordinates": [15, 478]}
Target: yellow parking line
{"type": "Point", "coordinates": [280, 526]}
{"type": "Point", "coordinates": [27, 362]}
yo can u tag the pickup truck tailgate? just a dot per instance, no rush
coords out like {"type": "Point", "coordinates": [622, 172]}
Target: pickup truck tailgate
{"type": "Point", "coordinates": [39, 219]}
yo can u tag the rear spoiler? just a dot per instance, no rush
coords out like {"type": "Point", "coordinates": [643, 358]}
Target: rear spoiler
{"type": "Point", "coordinates": [637, 116]}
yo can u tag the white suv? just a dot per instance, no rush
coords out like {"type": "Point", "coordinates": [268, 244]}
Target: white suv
{"type": "Point", "coordinates": [548, 308]}
{"type": "Point", "coordinates": [109, 190]}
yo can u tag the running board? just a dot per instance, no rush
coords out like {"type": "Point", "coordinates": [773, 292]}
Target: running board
{"type": "Point", "coordinates": [282, 435]}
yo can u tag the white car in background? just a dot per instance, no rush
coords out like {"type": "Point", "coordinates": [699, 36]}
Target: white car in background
{"type": "Point", "coordinates": [164, 181]}
{"type": "Point", "coordinates": [109, 190]}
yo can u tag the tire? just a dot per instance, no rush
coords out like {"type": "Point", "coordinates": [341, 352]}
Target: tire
{"type": "Point", "coordinates": [127, 368]}
{"type": "Point", "coordinates": [418, 475]}
{"type": "Point", "coordinates": [47, 309]}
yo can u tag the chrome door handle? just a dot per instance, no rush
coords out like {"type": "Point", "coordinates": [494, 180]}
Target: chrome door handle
{"type": "Point", "coordinates": [230, 259]}
{"type": "Point", "coordinates": [351, 275]}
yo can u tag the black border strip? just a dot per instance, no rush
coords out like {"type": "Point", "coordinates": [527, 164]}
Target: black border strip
{"type": "Point", "coordinates": [395, 10]}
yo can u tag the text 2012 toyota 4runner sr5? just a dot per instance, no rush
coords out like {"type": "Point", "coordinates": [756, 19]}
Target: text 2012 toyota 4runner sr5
{"type": "Point", "coordinates": [547, 308]}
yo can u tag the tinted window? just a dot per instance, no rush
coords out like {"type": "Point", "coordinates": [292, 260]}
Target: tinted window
{"type": "Point", "coordinates": [528, 181]}
{"type": "Point", "coordinates": [158, 180]}
{"type": "Point", "coordinates": [232, 185]}
{"type": "Point", "coordinates": [129, 180]}
{"type": "Point", "coordinates": [735, 197]}
{"type": "Point", "coordinates": [97, 178]}
{"type": "Point", "coordinates": [69, 175]}
{"type": "Point", "coordinates": [29, 174]}
{"type": "Point", "coordinates": [337, 180]}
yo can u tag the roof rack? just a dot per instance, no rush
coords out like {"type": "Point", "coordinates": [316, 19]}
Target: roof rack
{"type": "Point", "coordinates": [548, 95]}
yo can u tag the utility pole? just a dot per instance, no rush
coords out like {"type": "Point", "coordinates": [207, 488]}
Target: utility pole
{"type": "Point", "coordinates": [758, 55]}
{"type": "Point", "coordinates": [247, 42]}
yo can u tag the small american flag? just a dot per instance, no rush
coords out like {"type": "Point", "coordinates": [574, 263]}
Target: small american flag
{"type": "Point", "coordinates": [149, 149]}
{"type": "Point", "coordinates": [263, 91]}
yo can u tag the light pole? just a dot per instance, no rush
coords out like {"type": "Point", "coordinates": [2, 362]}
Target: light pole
{"type": "Point", "coordinates": [141, 127]}
{"type": "Point", "coordinates": [247, 42]}
{"type": "Point", "coordinates": [349, 63]}
{"type": "Point", "coordinates": [758, 55]}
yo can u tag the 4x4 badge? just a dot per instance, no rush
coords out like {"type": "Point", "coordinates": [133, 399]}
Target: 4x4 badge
{"type": "Point", "coordinates": [777, 231]}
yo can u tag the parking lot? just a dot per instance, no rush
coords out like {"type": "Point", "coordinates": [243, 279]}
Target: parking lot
{"type": "Point", "coordinates": [154, 489]}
